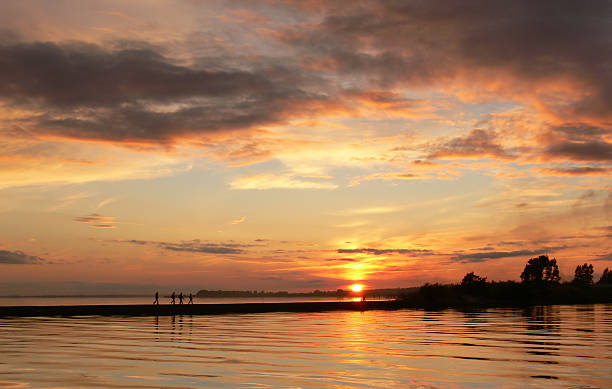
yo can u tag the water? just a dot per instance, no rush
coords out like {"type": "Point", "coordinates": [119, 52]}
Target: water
{"type": "Point", "coordinates": [550, 347]}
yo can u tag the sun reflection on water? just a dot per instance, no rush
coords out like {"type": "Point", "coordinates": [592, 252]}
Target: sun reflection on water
{"type": "Point", "coordinates": [404, 348]}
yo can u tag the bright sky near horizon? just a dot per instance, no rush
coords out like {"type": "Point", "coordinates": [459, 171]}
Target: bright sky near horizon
{"type": "Point", "coordinates": [300, 145]}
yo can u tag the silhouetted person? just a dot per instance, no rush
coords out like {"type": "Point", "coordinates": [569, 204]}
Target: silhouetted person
{"type": "Point", "coordinates": [181, 298]}
{"type": "Point", "coordinates": [173, 297]}
{"type": "Point", "coordinates": [190, 298]}
{"type": "Point", "coordinates": [156, 302]}
{"type": "Point", "coordinates": [363, 298]}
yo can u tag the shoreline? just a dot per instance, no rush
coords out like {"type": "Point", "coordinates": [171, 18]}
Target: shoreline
{"type": "Point", "coordinates": [195, 309]}
{"type": "Point", "coordinates": [247, 308]}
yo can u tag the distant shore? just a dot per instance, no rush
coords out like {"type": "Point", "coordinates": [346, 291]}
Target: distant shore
{"type": "Point", "coordinates": [427, 300]}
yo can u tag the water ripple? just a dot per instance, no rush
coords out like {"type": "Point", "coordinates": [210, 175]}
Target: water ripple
{"type": "Point", "coordinates": [556, 346]}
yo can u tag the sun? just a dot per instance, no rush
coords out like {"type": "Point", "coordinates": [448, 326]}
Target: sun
{"type": "Point", "coordinates": [357, 287]}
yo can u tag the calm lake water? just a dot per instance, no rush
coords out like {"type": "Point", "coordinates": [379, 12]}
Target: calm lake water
{"type": "Point", "coordinates": [553, 346]}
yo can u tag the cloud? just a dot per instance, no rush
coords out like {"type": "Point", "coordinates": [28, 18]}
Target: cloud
{"type": "Point", "coordinates": [607, 231]}
{"type": "Point", "coordinates": [19, 257]}
{"type": "Point", "coordinates": [374, 210]}
{"type": "Point", "coordinates": [595, 150]}
{"type": "Point", "coordinates": [577, 171]}
{"type": "Point", "coordinates": [54, 162]}
{"type": "Point", "coordinates": [434, 172]}
{"type": "Point", "coordinates": [477, 144]}
{"type": "Point", "coordinates": [482, 256]}
{"type": "Point", "coordinates": [603, 257]}
{"type": "Point", "coordinates": [385, 251]}
{"type": "Point", "coordinates": [262, 181]}
{"type": "Point", "coordinates": [197, 247]}
{"type": "Point", "coordinates": [239, 220]}
{"type": "Point", "coordinates": [106, 202]}
{"type": "Point", "coordinates": [577, 142]}
{"type": "Point", "coordinates": [136, 94]}
{"type": "Point", "coordinates": [193, 246]}
{"type": "Point", "coordinates": [97, 220]}
{"type": "Point", "coordinates": [510, 46]}
{"type": "Point", "coordinates": [380, 103]}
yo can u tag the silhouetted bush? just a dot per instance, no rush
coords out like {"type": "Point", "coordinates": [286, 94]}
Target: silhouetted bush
{"type": "Point", "coordinates": [471, 280]}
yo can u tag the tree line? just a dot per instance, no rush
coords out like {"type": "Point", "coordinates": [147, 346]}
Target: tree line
{"type": "Point", "coordinates": [545, 270]}
{"type": "Point", "coordinates": [540, 284]}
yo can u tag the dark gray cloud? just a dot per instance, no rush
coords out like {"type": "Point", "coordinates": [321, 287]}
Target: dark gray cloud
{"type": "Point", "coordinates": [578, 142]}
{"type": "Point", "coordinates": [576, 132]}
{"type": "Point", "coordinates": [78, 74]}
{"type": "Point", "coordinates": [86, 91]}
{"type": "Point", "coordinates": [194, 246]}
{"type": "Point", "coordinates": [477, 144]}
{"type": "Point", "coordinates": [385, 251]}
{"type": "Point", "coordinates": [482, 256]}
{"type": "Point", "coordinates": [579, 171]}
{"type": "Point", "coordinates": [595, 150]}
{"type": "Point", "coordinates": [430, 42]}
{"type": "Point", "coordinates": [19, 257]}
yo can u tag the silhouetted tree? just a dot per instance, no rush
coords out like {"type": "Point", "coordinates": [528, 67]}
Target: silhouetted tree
{"type": "Point", "coordinates": [606, 277]}
{"type": "Point", "coordinates": [583, 275]}
{"type": "Point", "coordinates": [471, 279]}
{"type": "Point", "coordinates": [541, 269]}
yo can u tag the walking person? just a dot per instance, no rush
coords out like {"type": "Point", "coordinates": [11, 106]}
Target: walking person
{"type": "Point", "coordinates": [156, 302]}
{"type": "Point", "coordinates": [190, 298]}
{"type": "Point", "coordinates": [173, 297]}
{"type": "Point", "coordinates": [181, 298]}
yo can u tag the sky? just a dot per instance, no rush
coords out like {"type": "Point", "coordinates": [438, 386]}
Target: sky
{"type": "Point", "coordinates": [300, 145]}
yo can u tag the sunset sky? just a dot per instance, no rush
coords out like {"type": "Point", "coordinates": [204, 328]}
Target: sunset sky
{"type": "Point", "coordinates": [300, 145]}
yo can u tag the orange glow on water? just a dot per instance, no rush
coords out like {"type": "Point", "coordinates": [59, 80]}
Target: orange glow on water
{"type": "Point", "coordinates": [357, 287]}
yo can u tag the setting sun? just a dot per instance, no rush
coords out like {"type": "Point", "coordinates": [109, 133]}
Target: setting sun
{"type": "Point", "coordinates": [357, 287]}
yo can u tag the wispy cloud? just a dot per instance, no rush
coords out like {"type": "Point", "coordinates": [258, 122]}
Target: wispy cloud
{"type": "Point", "coordinates": [97, 220]}
{"type": "Point", "coordinates": [482, 256]}
{"type": "Point", "coordinates": [385, 251]}
{"type": "Point", "coordinates": [376, 210]}
{"type": "Point", "coordinates": [194, 246]}
{"type": "Point", "coordinates": [477, 144]}
{"type": "Point", "coordinates": [577, 171]}
{"type": "Point", "coordinates": [262, 181]}
{"type": "Point", "coordinates": [603, 257]}
{"type": "Point", "coordinates": [197, 247]}
{"type": "Point", "coordinates": [239, 220]}
{"type": "Point", "coordinates": [105, 202]}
